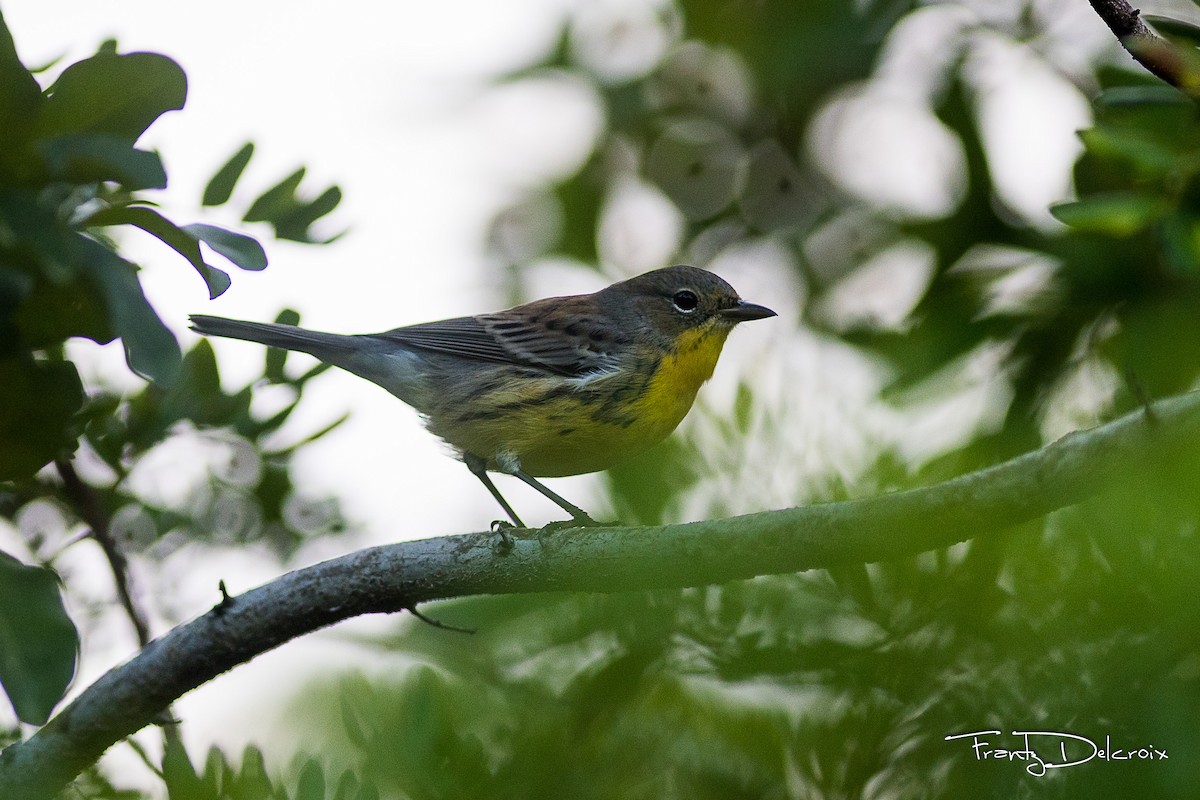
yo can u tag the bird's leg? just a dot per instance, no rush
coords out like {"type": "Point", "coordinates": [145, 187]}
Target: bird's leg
{"type": "Point", "coordinates": [478, 468]}
{"type": "Point", "coordinates": [578, 515]}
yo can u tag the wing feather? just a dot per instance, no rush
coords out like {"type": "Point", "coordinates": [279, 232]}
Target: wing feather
{"type": "Point", "coordinates": [520, 336]}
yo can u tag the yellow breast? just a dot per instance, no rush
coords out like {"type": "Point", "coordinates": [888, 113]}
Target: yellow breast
{"type": "Point", "coordinates": [678, 377]}
{"type": "Point", "coordinates": [595, 443]}
{"type": "Point", "coordinates": [593, 427]}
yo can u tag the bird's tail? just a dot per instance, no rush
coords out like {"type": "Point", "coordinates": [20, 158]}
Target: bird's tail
{"type": "Point", "coordinates": [388, 364]}
{"type": "Point", "coordinates": [325, 346]}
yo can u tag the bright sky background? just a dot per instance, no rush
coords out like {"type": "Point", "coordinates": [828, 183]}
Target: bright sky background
{"type": "Point", "coordinates": [393, 102]}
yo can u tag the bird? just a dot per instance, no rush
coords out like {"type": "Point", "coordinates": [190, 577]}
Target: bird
{"type": "Point", "coordinates": [558, 386]}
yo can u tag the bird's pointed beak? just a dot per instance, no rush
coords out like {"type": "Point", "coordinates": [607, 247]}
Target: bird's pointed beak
{"type": "Point", "coordinates": [744, 312]}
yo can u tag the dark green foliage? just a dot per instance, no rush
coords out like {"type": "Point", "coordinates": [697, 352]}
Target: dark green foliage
{"type": "Point", "coordinates": [221, 780]}
{"type": "Point", "coordinates": [37, 411]}
{"type": "Point", "coordinates": [38, 641]}
{"type": "Point", "coordinates": [792, 686]}
{"type": "Point", "coordinates": [71, 179]}
{"type": "Point", "coordinates": [220, 188]}
{"type": "Point", "coordinates": [290, 214]}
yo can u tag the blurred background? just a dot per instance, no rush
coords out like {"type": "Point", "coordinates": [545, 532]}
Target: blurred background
{"type": "Point", "coordinates": [980, 224]}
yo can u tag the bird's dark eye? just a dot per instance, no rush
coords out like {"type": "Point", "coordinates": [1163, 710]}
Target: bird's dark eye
{"type": "Point", "coordinates": [685, 300]}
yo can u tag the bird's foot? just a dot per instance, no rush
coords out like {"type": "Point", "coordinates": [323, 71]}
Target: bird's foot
{"type": "Point", "coordinates": [580, 520]}
{"type": "Point", "coordinates": [502, 528]}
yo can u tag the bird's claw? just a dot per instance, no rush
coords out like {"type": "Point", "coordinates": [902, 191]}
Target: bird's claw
{"type": "Point", "coordinates": [502, 527]}
{"type": "Point", "coordinates": [580, 521]}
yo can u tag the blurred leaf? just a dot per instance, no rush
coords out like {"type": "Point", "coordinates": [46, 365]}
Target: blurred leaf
{"type": "Point", "coordinates": [1140, 148]}
{"type": "Point", "coordinates": [347, 787]}
{"type": "Point", "coordinates": [645, 489]}
{"type": "Point", "coordinates": [20, 99]}
{"type": "Point", "coordinates": [1159, 343]}
{"type": "Point", "coordinates": [115, 94]}
{"type": "Point", "coordinates": [179, 776]}
{"type": "Point", "coordinates": [580, 198]}
{"type": "Point", "coordinates": [38, 403]}
{"type": "Point", "coordinates": [1156, 95]}
{"type": "Point", "coordinates": [774, 195]}
{"type": "Point", "coordinates": [311, 785]}
{"type": "Point", "coordinates": [38, 641]}
{"type": "Point", "coordinates": [150, 348]}
{"type": "Point", "coordinates": [171, 235]}
{"type": "Point", "coordinates": [252, 782]}
{"type": "Point", "coordinates": [277, 201]}
{"type": "Point", "coordinates": [291, 215]}
{"type": "Point", "coordinates": [242, 250]}
{"type": "Point", "coordinates": [1185, 32]}
{"type": "Point", "coordinates": [220, 188]}
{"type": "Point", "coordinates": [218, 774]}
{"type": "Point", "coordinates": [697, 162]}
{"type": "Point", "coordinates": [1115, 214]}
{"type": "Point", "coordinates": [743, 408]}
{"type": "Point", "coordinates": [1181, 243]}
{"type": "Point", "coordinates": [33, 233]}
{"type": "Point", "coordinates": [83, 158]}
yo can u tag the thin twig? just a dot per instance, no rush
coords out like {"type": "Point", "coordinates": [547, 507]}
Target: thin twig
{"type": "Point", "coordinates": [437, 624]}
{"type": "Point", "coordinates": [88, 506]}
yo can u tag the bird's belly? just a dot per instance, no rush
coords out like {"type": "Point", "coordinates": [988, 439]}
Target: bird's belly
{"type": "Point", "coordinates": [589, 446]}
{"type": "Point", "coordinates": [571, 436]}
{"type": "Point", "coordinates": [553, 428]}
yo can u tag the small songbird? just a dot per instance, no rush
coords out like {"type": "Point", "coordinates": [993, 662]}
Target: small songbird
{"type": "Point", "coordinates": [560, 386]}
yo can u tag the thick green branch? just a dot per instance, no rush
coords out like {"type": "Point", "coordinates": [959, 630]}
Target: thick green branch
{"type": "Point", "coordinates": [396, 577]}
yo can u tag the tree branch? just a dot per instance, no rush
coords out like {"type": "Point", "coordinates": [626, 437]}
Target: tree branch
{"type": "Point", "coordinates": [396, 577]}
{"type": "Point", "coordinates": [89, 509]}
{"type": "Point", "coordinates": [1162, 58]}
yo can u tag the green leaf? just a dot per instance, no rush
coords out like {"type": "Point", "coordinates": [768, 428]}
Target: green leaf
{"type": "Point", "coordinates": [170, 234]}
{"type": "Point", "coordinates": [244, 251]}
{"type": "Point", "coordinates": [1185, 32]}
{"type": "Point", "coordinates": [347, 787]}
{"type": "Point", "coordinates": [311, 785]}
{"type": "Point", "coordinates": [743, 408]}
{"type": "Point", "coordinates": [217, 772]}
{"type": "Point", "coordinates": [116, 94]}
{"type": "Point", "coordinates": [1134, 96]}
{"type": "Point", "coordinates": [580, 198]}
{"type": "Point", "coordinates": [29, 228]}
{"type": "Point", "coordinates": [1138, 148]}
{"type": "Point", "coordinates": [220, 188]}
{"type": "Point", "coordinates": [38, 641]}
{"type": "Point", "coordinates": [1181, 243]}
{"type": "Point", "coordinates": [290, 215]}
{"type": "Point", "coordinates": [295, 226]}
{"type": "Point", "coordinates": [150, 348]}
{"type": "Point", "coordinates": [53, 313]}
{"type": "Point", "coordinates": [89, 157]}
{"type": "Point", "coordinates": [180, 776]}
{"type": "Point", "coordinates": [37, 404]}
{"type": "Point", "coordinates": [1116, 214]}
{"type": "Point", "coordinates": [20, 99]}
{"type": "Point", "coordinates": [276, 201]}
{"type": "Point", "coordinates": [252, 782]}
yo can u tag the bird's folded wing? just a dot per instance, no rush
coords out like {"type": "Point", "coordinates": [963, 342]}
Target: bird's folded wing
{"type": "Point", "coordinates": [508, 338]}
